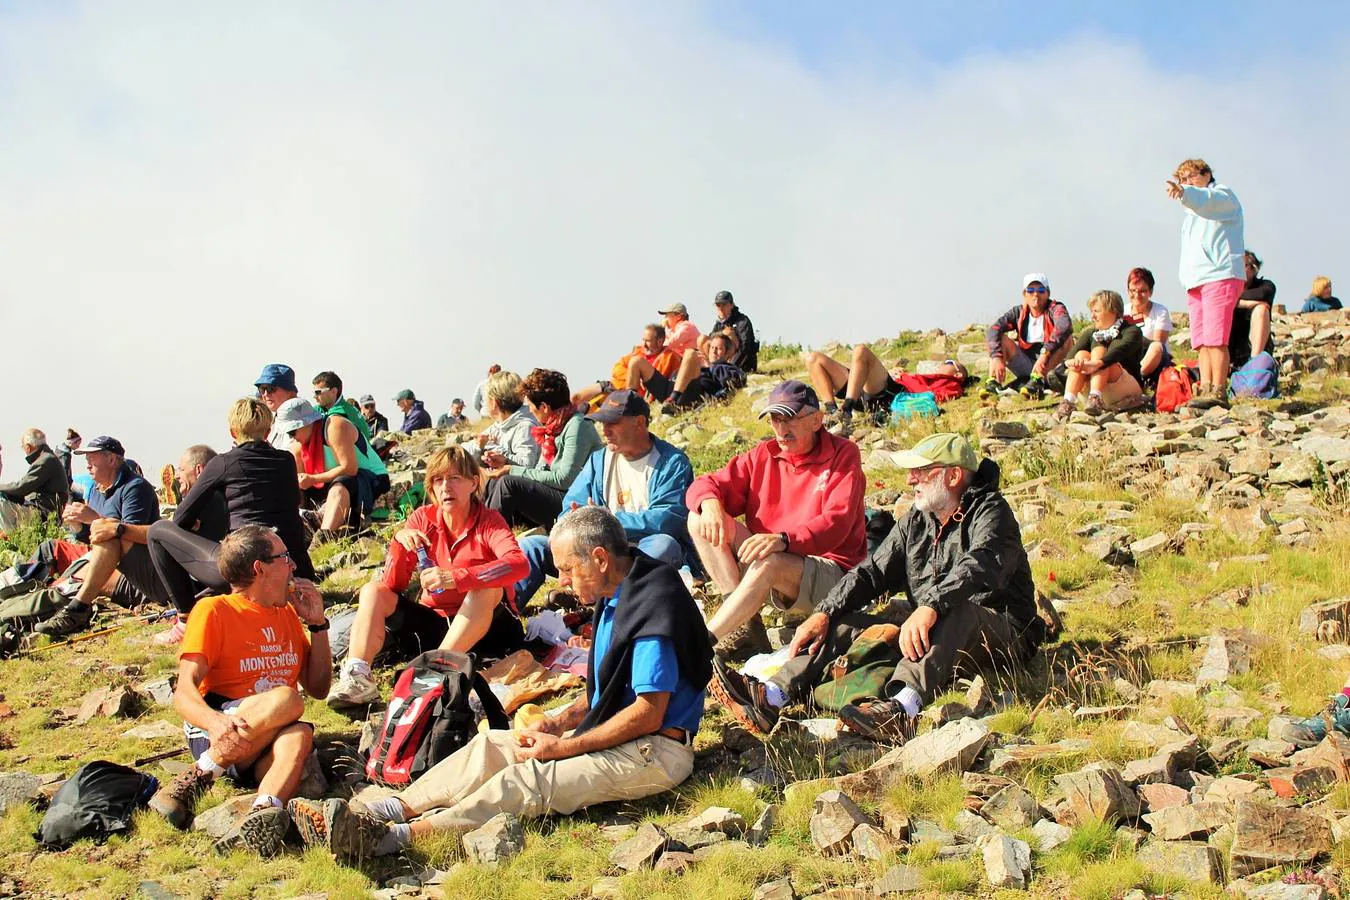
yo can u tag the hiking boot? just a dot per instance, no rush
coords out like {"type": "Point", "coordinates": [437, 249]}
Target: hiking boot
{"type": "Point", "coordinates": [1034, 389]}
{"type": "Point", "coordinates": [1309, 732]}
{"type": "Point", "coordinates": [1206, 397]}
{"type": "Point", "coordinates": [1065, 409]}
{"type": "Point", "coordinates": [1094, 407]}
{"type": "Point", "coordinates": [72, 618]}
{"type": "Point", "coordinates": [883, 721]}
{"type": "Point", "coordinates": [176, 800]}
{"type": "Point", "coordinates": [744, 698]}
{"type": "Point", "coordinates": [174, 635]}
{"type": "Point", "coordinates": [990, 389]}
{"type": "Point", "coordinates": [353, 689]}
{"type": "Point", "coordinates": [333, 825]}
{"type": "Point", "coordinates": [746, 641]}
{"type": "Point", "coordinates": [261, 830]}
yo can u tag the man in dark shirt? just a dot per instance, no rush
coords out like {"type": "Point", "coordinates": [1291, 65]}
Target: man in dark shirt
{"type": "Point", "coordinates": [374, 418]}
{"type": "Point", "coordinates": [415, 415]}
{"type": "Point", "coordinates": [454, 417]}
{"type": "Point", "coordinates": [115, 522]}
{"type": "Point", "coordinates": [699, 381]}
{"type": "Point", "coordinates": [730, 320]}
{"type": "Point", "coordinates": [1251, 316]}
{"type": "Point", "coordinates": [44, 487]}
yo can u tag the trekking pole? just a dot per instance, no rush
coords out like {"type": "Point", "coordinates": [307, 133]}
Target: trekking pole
{"type": "Point", "coordinates": [156, 757]}
{"type": "Point", "coordinates": [93, 634]}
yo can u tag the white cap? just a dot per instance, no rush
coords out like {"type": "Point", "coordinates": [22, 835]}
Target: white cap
{"type": "Point", "coordinates": [1036, 276]}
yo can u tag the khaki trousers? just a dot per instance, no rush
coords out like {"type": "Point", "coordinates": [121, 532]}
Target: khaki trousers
{"type": "Point", "coordinates": [482, 779]}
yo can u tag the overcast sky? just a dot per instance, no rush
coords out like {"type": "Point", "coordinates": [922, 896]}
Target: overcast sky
{"type": "Point", "coordinates": [406, 193]}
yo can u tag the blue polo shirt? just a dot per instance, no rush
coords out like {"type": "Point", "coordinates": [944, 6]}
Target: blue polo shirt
{"type": "Point", "coordinates": [655, 670]}
{"type": "Point", "coordinates": [131, 499]}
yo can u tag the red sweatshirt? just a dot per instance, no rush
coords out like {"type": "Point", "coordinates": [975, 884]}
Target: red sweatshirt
{"type": "Point", "coordinates": [817, 499]}
{"type": "Point", "coordinates": [485, 556]}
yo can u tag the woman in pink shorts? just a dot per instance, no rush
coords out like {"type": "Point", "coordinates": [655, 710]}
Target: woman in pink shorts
{"type": "Point", "coordinates": [1211, 271]}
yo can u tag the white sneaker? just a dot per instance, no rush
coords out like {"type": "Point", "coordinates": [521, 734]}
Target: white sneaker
{"type": "Point", "coordinates": [353, 689]}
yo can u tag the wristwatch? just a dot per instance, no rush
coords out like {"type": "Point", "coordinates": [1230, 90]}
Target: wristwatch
{"type": "Point", "coordinates": [315, 629]}
{"type": "Point", "coordinates": [782, 536]}
{"type": "Point", "coordinates": [121, 528]}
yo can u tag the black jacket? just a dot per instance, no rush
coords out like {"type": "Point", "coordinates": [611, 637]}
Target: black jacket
{"type": "Point", "coordinates": [655, 603]}
{"type": "Point", "coordinates": [44, 486]}
{"type": "Point", "coordinates": [1127, 348]}
{"type": "Point", "coordinates": [260, 487]}
{"type": "Point", "coordinates": [977, 558]}
{"type": "Point", "coordinates": [747, 354]}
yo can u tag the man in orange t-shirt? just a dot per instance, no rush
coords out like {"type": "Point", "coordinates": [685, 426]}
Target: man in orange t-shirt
{"type": "Point", "coordinates": [242, 660]}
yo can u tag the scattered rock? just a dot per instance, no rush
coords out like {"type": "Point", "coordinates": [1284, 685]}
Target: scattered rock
{"type": "Point", "coordinates": [1225, 656]}
{"type": "Point", "coordinates": [608, 888]}
{"type": "Point", "coordinates": [1098, 792]}
{"type": "Point", "coordinates": [833, 819]}
{"type": "Point", "coordinates": [1050, 834]}
{"type": "Point", "coordinates": [1162, 796]}
{"type": "Point", "coordinates": [110, 702]}
{"type": "Point", "coordinates": [870, 842]}
{"type": "Point", "coordinates": [898, 880]}
{"type": "Point", "coordinates": [775, 890]}
{"type": "Point", "coordinates": [17, 788]}
{"type": "Point", "coordinates": [1188, 860]}
{"type": "Point", "coordinates": [972, 826]}
{"type": "Point", "coordinates": [499, 839]}
{"type": "Point", "coordinates": [159, 690]}
{"type": "Point", "coordinates": [718, 818]}
{"type": "Point", "coordinates": [1175, 823]}
{"type": "Point", "coordinates": [1007, 861]}
{"type": "Point", "coordinates": [1311, 620]}
{"type": "Point", "coordinates": [763, 827]}
{"type": "Point", "coordinates": [1012, 808]}
{"type": "Point", "coordinates": [642, 849]}
{"type": "Point", "coordinates": [951, 748]}
{"type": "Point", "coordinates": [675, 862]}
{"type": "Point", "coordinates": [1267, 835]}
{"type": "Point", "coordinates": [154, 730]}
{"type": "Point", "coordinates": [220, 818]}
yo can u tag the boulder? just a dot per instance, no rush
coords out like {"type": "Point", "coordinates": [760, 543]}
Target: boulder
{"type": "Point", "coordinates": [498, 839]}
{"type": "Point", "coordinates": [780, 889]}
{"type": "Point", "coordinates": [1311, 620]}
{"type": "Point", "coordinates": [1050, 834]}
{"type": "Point", "coordinates": [898, 880]}
{"type": "Point", "coordinates": [17, 788]}
{"type": "Point", "coordinates": [1152, 545]}
{"type": "Point", "coordinates": [1225, 656]}
{"type": "Point", "coordinates": [110, 702]}
{"type": "Point", "coordinates": [1267, 835]}
{"type": "Point", "coordinates": [1193, 819]}
{"type": "Point", "coordinates": [972, 826]}
{"type": "Point", "coordinates": [1188, 860]}
{"type": "Point", "coordinates": [1098, 792]}
{"type": "Point", "coordinates": [1007, 861]}
{"type": "Point", "coordinates": [1012, 808]}
{"type": "Point", "coordinates": [1278, 890]}
{"type": "Point", "coordinates": [642, 849]}
{"type": "Point", "coordinates": [870, 842]}
{"type": "Point", "coordinates": [833, 819]}
{"type": "Point", "coordinates": [1159, 796]}
{"type": "Point", "coordinates": [951, 748]}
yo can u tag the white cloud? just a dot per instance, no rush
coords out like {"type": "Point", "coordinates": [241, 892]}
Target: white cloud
{"type": "Point", "coordinates": [406, 194]}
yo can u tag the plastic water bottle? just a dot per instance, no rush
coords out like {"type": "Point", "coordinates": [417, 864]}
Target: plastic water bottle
{"type": "Point", "coordinates": [423, 563]}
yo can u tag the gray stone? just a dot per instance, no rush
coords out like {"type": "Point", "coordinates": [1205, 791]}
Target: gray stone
{"type": "Point", "coordinates": [833, 819]}
{"type": "Point", "coordinates": [764, 826]}
{"type": "Point", "coordinates": [1325, 448]}
{"type": "Point", "coordinates": [972, 826]}
{"type": "Point", "coordinates": [153, 890]}
{"type": "Point", "coordinates": [1160, 691]}
{"type": "Point", "coordinates": [1178, 822]}
{"type": "Point", "coordinates": [17, 788]}
{"type": "Point", "coordinates": [159, 690]}
{"type": "Point", "coordinates": [220, 818]}
{"type": "Point", "coordinates": [1012, 808]}
{"type": "Point", "coordinates": [1268, 753]}
{"type": "Point", "coordinates": [1165, 765]}
{"type": "Point", "coordinates": [979, 697]}
{"type": "Point", "coordinates": [675, 862]}
{"type": "Point", "coordinates": [1152, 545]}
{"type": "Point", "coordinates": [718, 818]}
{"type": "Point", "coordinates": [870, 842]}
{"type": "Point", "coordinates": [1267, 835]}
{"type": "Point", "coordinates": [642, 849]}
{"type": "Point", "coordinates": [153, 730]}
{"type": "Point", "coordinates": [1130, 838]}
{"type": "Point", "coordinates": [1007, 861]}
{"type": "Point", "coordinates": [1314, 617]}
{"type": "Point", "coordinates": [1050, 834]}
{"type": "Point", "coordinates": [1222, 749]}
{"type": "Point", "coordinates": [610, 888]}
{"type": "Point", "coordinates": [1008, 431]}
{"type": "Point", "coordinates": [780, 889]}
{"type": "Point", "coordinates": [1098, 792]}
{"type": "Point", "coordinates": [1188, 860]}
{"type": "Point", "coordinates": [1297, 469]}
{"type": "Point", "coordinates": [110, 702]}
{"type": "Point", "coordinates": [1278, 890]}
{"type": "Point", "coordinates": [1159, 796]}
{"type": "Point", "coordinates": [690, 839]}
{"type": "Point", "coordinates": [1225, 656]}
{"type": "Point", "coordinates": [922, 831]}
{"type": "Point", "coordinates": [951, 748]}
{"type": "Point", "coordinates": [898, 880]}
{"type": "Point", "coordinates": [497, 840]}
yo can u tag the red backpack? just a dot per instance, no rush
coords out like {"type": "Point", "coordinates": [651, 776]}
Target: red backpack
{"type": "Point", "coordinates": [429, 717]}
{"type": "Point", "coordinates": [1174, 389]}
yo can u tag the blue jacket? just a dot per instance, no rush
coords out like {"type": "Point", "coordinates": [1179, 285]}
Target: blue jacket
{"type": "Point", "coordinates": [1319, 304]}
{"type": "Point", "coordinates": [1211, 235]}
{"type": "Point", "coordinates": [666, 513]}
{"type": "Point", "coordinates": [416, 418]}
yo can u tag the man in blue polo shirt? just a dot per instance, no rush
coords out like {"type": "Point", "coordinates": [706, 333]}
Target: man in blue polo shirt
{"type": "Point", "coordinates": [114, 521]}
{"type": "Point", "coordinates": [629, 735]}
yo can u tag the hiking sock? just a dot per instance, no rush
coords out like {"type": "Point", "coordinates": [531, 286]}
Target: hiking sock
{"type": "Point", "coordinates": [910, 700]}
{"type": "Point", "coordinates": [209, 765]}
{"type": "Point", "coordinates": [852, 406]}
{"type": "Point", "coordinates": [398, 838]}
{"type": "Point", "coordinates": [1097, 394]}
{"type": "Point", "coordinates": [831, 408]}
{"type": "Point", "coordinates": [677, 397]}
{"type": "Point", "coordinates": [1071, 396]}
{"type": "Point", "coordinates": [262, 801]}
{"type": "Point", "coordinates": [354, 666]}
{"type": "Point", "coordinates": [387, 809]}
{"type": "Point", "coordinates": [774, 695]}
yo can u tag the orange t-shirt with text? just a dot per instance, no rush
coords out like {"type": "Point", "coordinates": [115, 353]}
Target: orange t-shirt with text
{"type": "Point", "coordinates": [249, 649]}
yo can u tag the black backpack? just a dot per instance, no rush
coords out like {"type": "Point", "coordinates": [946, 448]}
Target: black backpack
{"type": "Point", "coordinates": [97, 801]}
{"type": "Point", "coordinates": [429, 716]}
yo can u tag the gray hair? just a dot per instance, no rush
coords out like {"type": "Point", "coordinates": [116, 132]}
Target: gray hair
{"type": "Point", "coordinates": [198, 455]}
{"type": "Point", "coordinates": [33, 437]}
{"type": "Point", "coordinates": [590, 527]}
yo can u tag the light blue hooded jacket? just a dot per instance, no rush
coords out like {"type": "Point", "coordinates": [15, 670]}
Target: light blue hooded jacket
{"type": "Point", "coordinates": [1211, 235]}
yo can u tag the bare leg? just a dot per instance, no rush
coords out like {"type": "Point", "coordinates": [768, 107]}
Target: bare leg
{"type": "Point", "coordinates": [689, 369]}
{"type": "Point", "coordinates": [1118, 387]}
{"type": "Point", "coordinates": [266, 714]}
{"type": "Point", "coordinates": [336, 507]}
{"type": "Point", "coordinates": [720, 562]}
{"type": "Point", "coordinates": [1220, 365]}
{"type": "Point", "coordinates": [827, 375]}
{"type": "Point", "coordinates": [102, 570]}
{"type": "Point", "coordinates": [867, 375]}
{"type": "Point", "coordinates": [375, 604]}
{"type": "Point", "coordinates": [282, 765]}
{"type": "Point", "coordinates": [781, 572]}
{"type": "Point", "coordinates": [639, 370]}
{"type": "Point", "coordinates": [1259, 331]}
{"type": "Point", "coordinates": [473, 620]}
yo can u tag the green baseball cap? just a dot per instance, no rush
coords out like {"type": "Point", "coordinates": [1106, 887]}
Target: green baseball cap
{"type": "Point", "coordinates": [939, 450]}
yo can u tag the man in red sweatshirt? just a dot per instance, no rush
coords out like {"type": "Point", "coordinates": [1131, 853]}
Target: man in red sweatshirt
{"type": "Point", "coordinates": [801, 496]}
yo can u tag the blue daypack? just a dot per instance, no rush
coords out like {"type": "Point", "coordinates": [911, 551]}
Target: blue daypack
{"type": "Point", "coordinates": [1259, 378]}
{"type": "Point", "coordinates": [909, 405]}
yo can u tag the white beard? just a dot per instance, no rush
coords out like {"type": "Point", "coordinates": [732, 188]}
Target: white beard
{"type": "Point", "coordinates": [935, 498]}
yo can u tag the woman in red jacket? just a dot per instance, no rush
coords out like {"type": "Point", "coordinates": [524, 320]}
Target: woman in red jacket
{"type": "Point", "coordinates": [465, 600]}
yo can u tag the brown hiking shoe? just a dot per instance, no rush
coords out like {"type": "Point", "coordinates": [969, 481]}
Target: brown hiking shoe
{"type": "Point", "coordinates": [333, 825]}
{"type": "Point", "coordinates": [746, 641]}
{"type": "Point", "coordinates": [177, 799]}
{"type": "Point", "coordinates": [883, 721]}
{"type": "Point", "coordinates": [262, 830]}
{"type": "Point", "coordinates": [1065, 409]}
{"type": "Point", "coordinates": [744, 698]}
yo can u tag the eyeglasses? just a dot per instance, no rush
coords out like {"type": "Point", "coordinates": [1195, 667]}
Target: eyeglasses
{"type": "Point", "coordinates": [1032, 290]}
{"type": "Point", "coordinates": [284, 554]}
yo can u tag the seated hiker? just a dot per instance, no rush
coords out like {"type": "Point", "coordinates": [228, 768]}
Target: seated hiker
{"type": "Point", "coordinates": [336, 466]}
{"type": "Point", "coordinates": [415, 415]}
{"type": "Point", "coordinates": [1250, 332]}
{"type": "Point", "coordinates": [650, 360]}
{"type": "Point", "coordinates": [242, 662]}
{"type": "Point", "coordinates": [638, 477]}
{"type": "Point", "coordinates": [253, 483]}
{"type": "Point", "coordinates": [681, 332]}
{"type": "Point", "coordinates": [43, 490]}
{"type": "Point", "coordinates": [1030, 339]}
{"type": "Point", "coordinates": [114, 521]}
{"type": "Point", "coordinates": [275, 386]}
{"type": "Point", "coordinates": [1320, 300]}
{"type": "Point", "coordinates": [703, 376]}
{"type": "Point", "coordinates": [630, 734]}
{"type": "Point", "coordinates": [801, 494]}
{"type": "Point", "coordinates": [375, 420]}
{"type": "Point", "coordinates": [509, 440]}
{"type": "Point", "coordinates": [958, 555]}
{"type": "Point", "coordinates": [1105, 360]}
{"type": "Point", "coordinates": [328, 400]}
{"type": "Point", "coordinates": [464, 601]}
{"type": "Point", "coordinates": [1153, 320]}
{"type": "Point", "coordinates": [532, 495]}
{"type": "Point", "coordinates": [455, 417]}
{"type": "Point", "coordinates": [736, 324]}
{"type": "Point", "coordinates": [867, 386]}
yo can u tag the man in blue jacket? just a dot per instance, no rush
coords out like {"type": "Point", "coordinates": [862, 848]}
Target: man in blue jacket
{"type": "Point", "coordinates": [638, 477]}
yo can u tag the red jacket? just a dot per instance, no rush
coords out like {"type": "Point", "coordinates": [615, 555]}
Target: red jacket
{"type": "Point", "coordinates": [485, 556]}
{"type": "Point", "coordinates": [817, 499]}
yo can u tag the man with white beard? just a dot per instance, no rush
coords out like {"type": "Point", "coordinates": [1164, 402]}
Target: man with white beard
{"type": "Point", "coordinates": [958, 556]}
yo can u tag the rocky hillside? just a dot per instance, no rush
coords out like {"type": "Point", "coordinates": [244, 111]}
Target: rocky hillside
{"type": "Point", "coordinates": [1199, 564]}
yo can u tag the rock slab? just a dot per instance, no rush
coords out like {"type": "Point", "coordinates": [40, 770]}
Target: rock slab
{"type": "Point", "coordinates": [499, 839]}
{"type": "Point", "coordinates": [1007, 861]}
{"type": "Point", "coordinates": [951, 748]}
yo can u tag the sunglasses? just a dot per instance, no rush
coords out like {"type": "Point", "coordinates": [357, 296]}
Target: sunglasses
{"type": "Point", "coordinates": [267, 389]}
{"type": "Point", "coordinates": [284, 554]}
{"type": "Point", "coordinates": [1039, 290]}
{"type": "Point", "coordinates": [320, 390]}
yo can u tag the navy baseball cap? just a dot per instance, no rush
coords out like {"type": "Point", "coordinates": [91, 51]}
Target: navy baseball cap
{"type": "Point", "coordinates": [723, 297]}
{"type": "Point", "coordinates": [619, 404]}
{"type": "Point", "coordinates": [791, 398]}
{"type": "Point", "coordinates": [102, 442]}
{"type": "Point", "coordinates": [276, 375]}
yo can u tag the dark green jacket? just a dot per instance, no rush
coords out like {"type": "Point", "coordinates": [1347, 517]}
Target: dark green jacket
{"type": "Point", "coordinates": [351, 414]}
{"type": "Point", "coordinates": [44, 486]}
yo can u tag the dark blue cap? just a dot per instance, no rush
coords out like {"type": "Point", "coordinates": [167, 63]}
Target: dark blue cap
{"type": "Point", "coordinates": [276, 375]}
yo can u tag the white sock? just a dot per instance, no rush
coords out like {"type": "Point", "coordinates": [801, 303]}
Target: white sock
{"type": "Point", "coordinates": [1071, 396]}
{"type": "Point", "coordinates": [1097, 394]}
{"type": "Point", "coordinates": [775, 695]}
{"type": "Point", "coordinates": [910, 700]}
{"type": "Point", "coordinates": [386, 809]}
{"type": "Point", "coordinates": [354, 666]}
{"type": "Point", "coordinates": [264, 800]}
{"type": "Point", "coordinates": [209, 765]}
{"type": "Point", "coordinates": [399, 837]}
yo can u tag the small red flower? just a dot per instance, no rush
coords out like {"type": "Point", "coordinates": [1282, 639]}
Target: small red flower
{"type": "Point", "coordinates": [1052, 577]}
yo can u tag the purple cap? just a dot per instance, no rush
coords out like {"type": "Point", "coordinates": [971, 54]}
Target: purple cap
{"type": "Point", "coordinates": [790, 398]}
{"type": "Point", "coordinates": [102, 442]}
{"type": "Point", "coordinates": [619, 404]}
